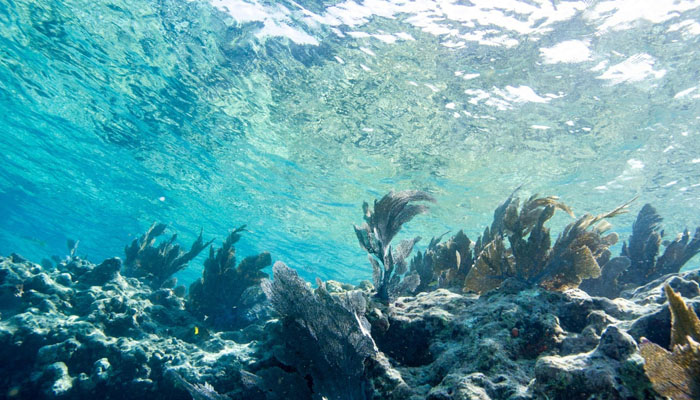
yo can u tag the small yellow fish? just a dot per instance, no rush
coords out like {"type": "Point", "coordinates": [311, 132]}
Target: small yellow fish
{"type": "Point", "coordinates": [196, 330]}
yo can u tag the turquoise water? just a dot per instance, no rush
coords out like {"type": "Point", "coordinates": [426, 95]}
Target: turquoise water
{"type": "Point", "coordinates": [286, 116]}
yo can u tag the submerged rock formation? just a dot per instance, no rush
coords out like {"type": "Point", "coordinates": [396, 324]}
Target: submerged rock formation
{"type": "Point", "coordinates": [84, 331]}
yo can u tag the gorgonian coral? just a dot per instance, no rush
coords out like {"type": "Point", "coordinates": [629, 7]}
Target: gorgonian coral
{"type": "Point", "coordinates": [382, 223]}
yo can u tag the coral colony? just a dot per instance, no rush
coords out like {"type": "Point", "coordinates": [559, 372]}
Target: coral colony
{"type": "Point", "coordinates": [508, 316]}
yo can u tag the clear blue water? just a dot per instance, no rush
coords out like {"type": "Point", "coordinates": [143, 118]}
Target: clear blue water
{"type": "Point", "coordinates": [286, 115]}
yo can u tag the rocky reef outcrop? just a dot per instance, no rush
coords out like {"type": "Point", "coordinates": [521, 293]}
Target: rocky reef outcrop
{"type": "Point", "coordinates": [83, 330]}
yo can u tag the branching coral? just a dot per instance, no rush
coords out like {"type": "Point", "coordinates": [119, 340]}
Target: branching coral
{"type": "Point", "coordinates": [678, 252]}
{"type": "Point", "coordinates": [422, 264]}
{"type": "Point", "coordinates": [327, 336]}
{"type": "Point", "coordinates": [575, 256]}
{"type": "Point", "coordinates": [157, 264]}
{"type": "Point", "coordinates": [218, 293]}
{"type": "Point", "coordinates": [676, 374]}
{"type": "Point", "coordinates": [529, 243]}
{"type": "Point", "coordinates": [375, 236]}
{"type": "Point", "coordinates": [529, 238]}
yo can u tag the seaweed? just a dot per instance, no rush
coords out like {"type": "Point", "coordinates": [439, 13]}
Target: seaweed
{"type": "Point", "coordinates": [684, 321]}
{"type": "Point", "coordinates": [529, 238]}
{"type": "Point", "coordinates": [678, 252]}
{"type": "Point", "coordinates": [496, 229]}
{"type": "Point", "coordinates": [375, 236]}
{"type": "Point", "coordinates": [422, 265]}
{"type": "Point", "coordinates": [443, 265]}
{"type": "Point", "coordinates": [576, 254]}
{"type": "Point", "coordinates": [326, 337]}
{"type": "Point", "coordinates": [157, 264]}
{"type": "Point", "coordinates": [676, 373]}
{"type": "Point", "coordinates": [218, 294]}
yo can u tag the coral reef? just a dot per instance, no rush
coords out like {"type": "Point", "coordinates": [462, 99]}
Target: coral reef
{"type": "Point", "coordinates": [158, 264]}
{"type": "Point", "coordinates": [82, 330]}
{"type": "Point", "coordinates": [512, 343]}
{"type": "Point", "coordinates": [382, 223]}
{"type": "Point", "coordinates": [639, 262]}
{"type": "Point", "coordinates": [227, 296]}
{"type": "Point", "coordinates": [334, 327]}
{"type": "Point", "coordinates": [443, 265]}
{"type": "Point", "coordinates": [576, 255]}
{"type": "Point", "coordinates": [78, 330]}
{"type": "Point", "coordinates": [62, 336]}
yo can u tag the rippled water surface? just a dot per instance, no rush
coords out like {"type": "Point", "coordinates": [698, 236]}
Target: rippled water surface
{"type": "Point", "coordinates": [286, 115]}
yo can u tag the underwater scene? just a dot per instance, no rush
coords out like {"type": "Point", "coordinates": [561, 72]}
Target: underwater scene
{"type": "Point", "coordinates": [350, 199]}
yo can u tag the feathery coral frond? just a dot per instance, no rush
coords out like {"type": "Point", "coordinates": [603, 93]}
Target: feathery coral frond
{"type": "Point", "coordinates": [675, 374]}
{"type": "Point", "coordinates": [684, 321]}
{"type": "Point", "coordinates": [491, 268]}
{"type": "Point", "coordinates": [382, 223]}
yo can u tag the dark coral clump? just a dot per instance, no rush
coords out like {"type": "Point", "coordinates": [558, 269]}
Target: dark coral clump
{"type": "Point", "coordinates": [325, 337]}
{"type": "Point", "coordinates": [156, 264]}
{"type": "Point", "coordinates": [382, 223]}
{"type": "Point", "coordinates": [443, 265]}
{"type": "Point", "coordinates": [223, 291]}
{"type": "Point", "coordinates": [639, 262]}
{"type": "Point", "coordinates": [644, 246]}
{"type": "Point", "coordinates": [579, 251]}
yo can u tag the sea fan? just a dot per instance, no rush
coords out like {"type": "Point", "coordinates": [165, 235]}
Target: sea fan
{"type": "Point", "coordinates": [382, 223]}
